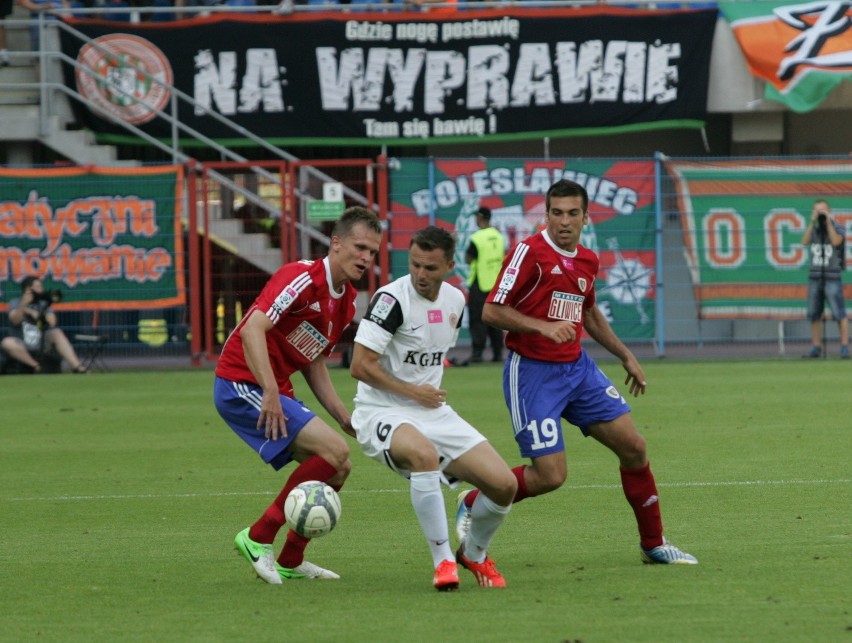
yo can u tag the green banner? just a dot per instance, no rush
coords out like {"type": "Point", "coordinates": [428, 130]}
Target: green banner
{"type": "Point", "coordinates": [743, 223]}
{"type": "Point", "coordinates": [107, 238]}
{"type": "Point", "coordinates": [621, 210]}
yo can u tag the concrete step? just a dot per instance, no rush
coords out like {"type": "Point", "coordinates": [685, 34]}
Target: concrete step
{"type": "Point", "coordinates": [253, 247]}
{"type": "Point", "coordinates": [18, 75]}
{"type": "Point", "coordinates": [21, 123]}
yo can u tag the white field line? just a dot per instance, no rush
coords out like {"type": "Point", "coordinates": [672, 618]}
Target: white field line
{"type": "Point", "coordinates": [144, 496]}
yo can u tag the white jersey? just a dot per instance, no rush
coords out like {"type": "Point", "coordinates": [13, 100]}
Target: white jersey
{"type": "Point", "coordinates": [412, 334]}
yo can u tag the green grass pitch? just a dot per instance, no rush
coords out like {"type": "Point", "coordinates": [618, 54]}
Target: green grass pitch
{"type": "Point", "coordinates": [121, 494]}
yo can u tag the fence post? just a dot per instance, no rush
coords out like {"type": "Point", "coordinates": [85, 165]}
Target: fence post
{"type": "Point", "coordinates": [194, 264]}
{"type": "Point", "coordinates": [659, 320]}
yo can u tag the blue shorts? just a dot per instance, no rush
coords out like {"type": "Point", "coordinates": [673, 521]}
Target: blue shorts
{"type": "Point", "coordinates": [817, 296]}
{"type": "Point", "coordinates": [239, 405]}
{"type": "Point", "coordinates": [540, 394]}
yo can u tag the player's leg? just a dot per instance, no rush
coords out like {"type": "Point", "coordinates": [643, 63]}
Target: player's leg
{"type": "Point", "coordinates": [640, 488]}
{"type": "Point", "coordinates": [483, 467]}
{"type": "Point", "coordinates": [535, 393]}
{"type": "Point", "coordinates": [239, 405]}
{"type": "Point", "coordinates": [323, 455]}
{"type": "Point", "coordinates": [410, 450]}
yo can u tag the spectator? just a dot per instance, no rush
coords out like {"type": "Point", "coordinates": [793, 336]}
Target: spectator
{"type": "Point", "coordinates": [6, 7]}
{"type": "Point", "coordinates": [36, 7]}
{"type": "Point", "coordinates": [825, 237]}
{"type": "Point", "coordinates": [34, 337]}
{"type": "Point", "coordinates": [485, 254]}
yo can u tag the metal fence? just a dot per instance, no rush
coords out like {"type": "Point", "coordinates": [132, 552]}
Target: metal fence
{"type": "Point", "coordinates": [699, 257]}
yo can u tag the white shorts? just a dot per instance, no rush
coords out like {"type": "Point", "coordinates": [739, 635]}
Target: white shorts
{"type": "Point", "coordinates": [451, 435]}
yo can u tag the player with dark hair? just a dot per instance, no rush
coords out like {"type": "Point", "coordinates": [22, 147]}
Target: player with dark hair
{"type": "Point", "coordinates": [292, 326]}
{"type": "Point", "coordinates": [402, 418]}
{"type": "Point", "coordinates": [544, 297]}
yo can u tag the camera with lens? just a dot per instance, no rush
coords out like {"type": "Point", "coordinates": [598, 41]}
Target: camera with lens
{"type": "Point", "coordinates": [51, 296]}
{"type": "Point", "coordinates": [822, 217]}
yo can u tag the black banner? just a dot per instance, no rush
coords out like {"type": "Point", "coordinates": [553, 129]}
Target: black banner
{"type": "Point", "coordinates": [398, 78]}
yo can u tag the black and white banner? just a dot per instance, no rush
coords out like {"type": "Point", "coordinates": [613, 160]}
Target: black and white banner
{"type": "Point", "coordinates": [397, 78]}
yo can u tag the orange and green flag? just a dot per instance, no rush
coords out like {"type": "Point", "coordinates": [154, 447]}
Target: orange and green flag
{"type": "Point", "coordinates": [803, 50]}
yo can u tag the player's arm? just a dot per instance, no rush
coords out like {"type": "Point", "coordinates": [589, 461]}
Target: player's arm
{"type": "Point", "coordinates": [508, 318]}
{"type": "Point", "coordinates": [599, 330]}
{"type": "Point", "coordinates": [253, 336]}
{"type": "Point", "coordinates": [367, 368]}
{"type": "Point", "coordinates": [318, 379]}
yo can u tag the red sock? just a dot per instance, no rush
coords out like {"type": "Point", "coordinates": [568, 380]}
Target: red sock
{"type": "Point", "coordinates": [520, 494]}
{"type": "Point", "coordinates": [265, 529]}
{"type": "Point", "coordinates": [641, 492]}
{"type": "Point", "coordinates": [293, 552]}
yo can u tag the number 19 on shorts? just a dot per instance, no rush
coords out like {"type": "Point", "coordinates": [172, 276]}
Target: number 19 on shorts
{"type": "Point", "coordinates": [543, 436]}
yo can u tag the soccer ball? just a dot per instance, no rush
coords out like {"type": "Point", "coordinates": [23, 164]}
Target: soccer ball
{"type": "Point", "coordinates": [312, 509]}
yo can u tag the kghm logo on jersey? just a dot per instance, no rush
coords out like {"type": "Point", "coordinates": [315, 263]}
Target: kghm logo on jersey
{"type": "Point", "coordinates": [566, 306]}
{"type": "Point", "coordinates": [128, 77]}
{"type": "Point", "coordinates": [307, 340]}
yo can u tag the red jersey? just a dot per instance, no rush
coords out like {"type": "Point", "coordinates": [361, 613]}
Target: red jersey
{"type": "Point", "coordinates": [543, 281]}
{"type": "Point", "coordinates": [308, 317]}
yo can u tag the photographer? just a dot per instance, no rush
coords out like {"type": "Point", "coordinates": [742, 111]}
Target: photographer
{"type": "Point", "coordinates": [826, 238]}
{"type": "Point", "coordinates": [34, 337]}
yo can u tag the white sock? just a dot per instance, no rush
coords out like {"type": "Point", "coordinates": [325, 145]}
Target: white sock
{"type": "Point", "coordinates": [486, 516]}
{"type": "Point", "coordinates": [428, 503]}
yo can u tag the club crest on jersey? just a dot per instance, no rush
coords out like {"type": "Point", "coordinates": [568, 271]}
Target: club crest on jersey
{"type": "Point", "coordinates": [581, 281]}
{"type": "Point", "coordinates": [566, 306]}
{"type": "Point", "coordinates": [307, 340]}
{"type": "Point", "coordinates": [382, 307]}
{"type": "Point", "coordinates": [434, 316]}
